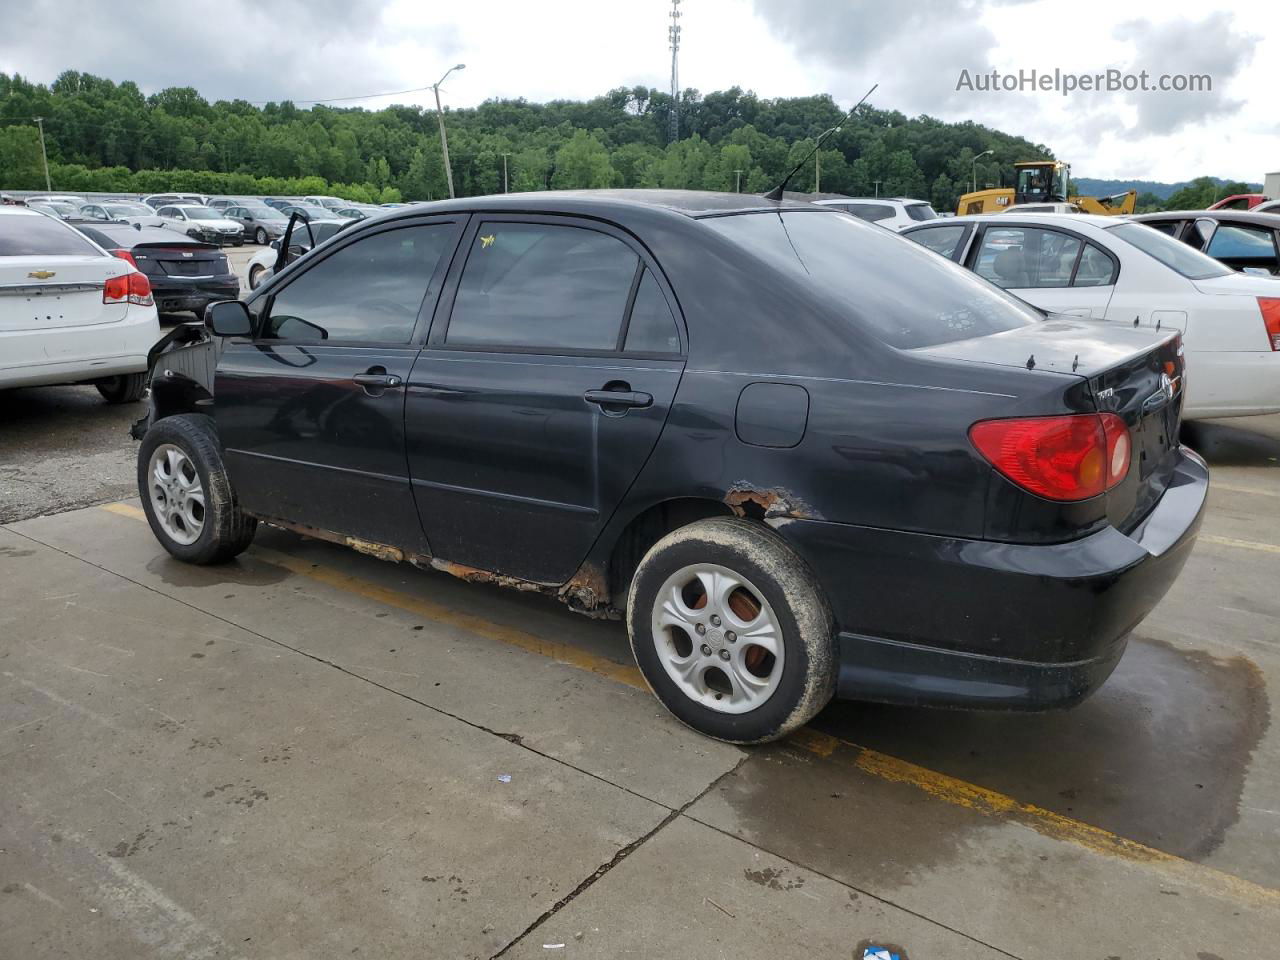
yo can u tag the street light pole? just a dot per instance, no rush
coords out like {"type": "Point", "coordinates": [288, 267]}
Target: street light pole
{"type": "Point", "coordinates": [975, 168]}
{"type": "Point", "coordinates": [47, 184]}
{"type": "Point", "coordinates": [877, 183]}
{"type": "Point", "coordinates": [737, 181]}
{"type": "Point", "coordinates": [444, 140]}
{"type": "Point", "coordinates": [505, 188]}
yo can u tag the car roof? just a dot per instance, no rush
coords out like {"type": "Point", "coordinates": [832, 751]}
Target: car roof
{"type": "Point", "coordinates": [1013, 216]}
{"type": "Point", "coordinates": [128, 236]}
{"type": "Point", "coordinates": [13, 210]}
{"type": "Point", "coordinates": [1264, 219]}
{"type": "Point", "coordinates": [688, 203]}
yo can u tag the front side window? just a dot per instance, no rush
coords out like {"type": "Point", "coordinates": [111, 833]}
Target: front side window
{"type": "Point", "coordinates": [542, 285]}
{"type": "Point", "coordinates": [1025, 257]}
{"type": "Point", "coordinates": [943, 240]}
{"type": "Point", "coordinates": [1233, 242]}
{"type": "Point", "coordinates": [367, 292]}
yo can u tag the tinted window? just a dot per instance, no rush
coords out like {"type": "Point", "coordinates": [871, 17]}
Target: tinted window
{"type": "Point", "coordinates": [1095, 269]}
{"type": "Point", "coordinates": [943, 240]}
{"type": "Point", "coordinates": [885, 284]}
{"type": "Point", "coordinates": [921, 211]}
{"type": "Point", "coordinates": [1241, 243]}
{"type": "Point", "coordinates": [370, 290]}
{"type": "Point", "coordinates": [1178, 257]}
{"type": "Point", "coordinates": [1026, 257]}
{"type": "Point", "coordinates": [652, 328]}
{"type": "Point", "coordinates": [542, 285]}
{"type": "Point", "coordinates": [24, 235]}
{"type": "Point", "coordinates": [870, 211]}
{"type": "Point", "coordinates": [1165, 226]}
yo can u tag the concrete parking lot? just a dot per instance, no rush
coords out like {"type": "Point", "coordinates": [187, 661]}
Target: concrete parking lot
{"type": "Point", "coordinates": [310, 753]}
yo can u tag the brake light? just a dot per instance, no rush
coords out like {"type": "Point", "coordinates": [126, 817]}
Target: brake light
{"type": "Point", "coordinates": [132, 288]}
{"type": "Point", "coordinates": [126, 256]}
{"type": "Point", "coordinates": [1270, 307]}
{"type": "Point", "coordinates": [1070, 457]}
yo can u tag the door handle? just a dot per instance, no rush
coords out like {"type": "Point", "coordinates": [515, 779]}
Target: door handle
{"type": "Point", "coordinates": [377, 380]}
{"type": "Point", "coordinates": [618, 398]}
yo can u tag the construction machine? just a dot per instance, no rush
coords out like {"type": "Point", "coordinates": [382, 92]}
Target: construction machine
{"type": "Point", "coordinates": [1044, 181]}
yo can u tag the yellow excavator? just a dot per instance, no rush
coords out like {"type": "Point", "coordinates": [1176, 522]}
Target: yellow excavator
{"type": "Point", "coordinates": [1043, 181]}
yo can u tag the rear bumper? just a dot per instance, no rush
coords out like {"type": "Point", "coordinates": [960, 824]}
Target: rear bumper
{"type": "Point", "coordinates": [177, 293]}
{"type": "Point", "coordinates": [942, 622]}
{"type": "Point", "coordinates": [75, 354]}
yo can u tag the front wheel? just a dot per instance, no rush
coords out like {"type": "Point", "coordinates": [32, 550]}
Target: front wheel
{"type": "Point", "coordinates": [187, 494]}
{"type": "Point", "coordinates": [260, 238]}
{"type": "Point", "coordinates": [731, 631]}
{"type": "Point", "coordinates": [125, 388]}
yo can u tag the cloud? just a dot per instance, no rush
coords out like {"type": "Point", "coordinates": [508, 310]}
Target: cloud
{"type": "Point", "coordinates": [1209, 46]}
{"type": "Point", "coordinates": [248, 49]}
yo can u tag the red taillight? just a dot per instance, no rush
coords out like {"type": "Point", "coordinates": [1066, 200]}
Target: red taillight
{"type": "Point", "coordinates": [1270, 307]}
{"type": "Point", "coordinates": [126, 256]}
{"type": "Point", "coordinates": [1072, 457]}
{"type": "Point", "coordinates": [129, 288]}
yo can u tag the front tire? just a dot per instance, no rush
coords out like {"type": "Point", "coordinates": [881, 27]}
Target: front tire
{"type": "Point", "coordinates": [187, 494]}
{"type": "Point", "coordinates": [125, 388]}
{"type": "Point", "coordinates": [731, 631]}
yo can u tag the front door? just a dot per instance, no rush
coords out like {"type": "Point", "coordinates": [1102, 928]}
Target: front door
{"type": "Point", "coordinates": [544, 387]}
{"type": "Point", "coordinates": [310, 410]}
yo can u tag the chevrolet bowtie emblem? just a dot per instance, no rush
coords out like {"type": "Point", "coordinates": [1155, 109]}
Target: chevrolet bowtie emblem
{"type": "Point", "coordinates": [40, 274]}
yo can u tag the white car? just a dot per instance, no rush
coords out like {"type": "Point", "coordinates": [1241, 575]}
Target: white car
{"type": "Point", "coordinates": [1271, 206]}
{"type": "Point", "coordinates": [120, 211]}
{"type": "Point", "coordinates": [201, 223]}
{"type": "Point", "coordinates": [69, 311]}
{"type": "Point", "coordinates": [1108, 268]}
{"type": "Point", "coordinates": [894, 213]}
{"type": "Point", "coordinates": [1042, 208]}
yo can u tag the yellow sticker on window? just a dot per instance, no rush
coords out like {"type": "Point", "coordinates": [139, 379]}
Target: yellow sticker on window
{"type": "Point", "coordinates": [486, 241]}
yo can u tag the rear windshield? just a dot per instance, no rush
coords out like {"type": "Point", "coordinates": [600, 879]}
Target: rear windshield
{"type": "Point", "coordinates": [895, 289]}
{"type": "Point", "coordinates": [921, 211]}
{"type": "Point", "coordinates": [1174, 254]}
{"type": "Point", "coordinates": [28, 236]}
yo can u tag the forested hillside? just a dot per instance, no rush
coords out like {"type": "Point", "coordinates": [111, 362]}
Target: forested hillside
{"type": "Point", "coordinates": [103, 135]}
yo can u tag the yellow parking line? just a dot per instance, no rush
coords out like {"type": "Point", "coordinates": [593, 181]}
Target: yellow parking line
{"type": "Point", "coordinates": [1242, 544]}
{"type": "Point", "coordinates": [949, 789]}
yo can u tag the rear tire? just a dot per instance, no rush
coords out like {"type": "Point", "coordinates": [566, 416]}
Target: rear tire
{"type": "Point", "coordinates": [731, 631]}
{"type": "Point", "coordinates": [186, 493]}
{"type": "Point", "coordinates": [255, 276]}
{"type": "Point", "coordinates": [125, 388]}
{"type": "Point", "coordinates": [260, 238]}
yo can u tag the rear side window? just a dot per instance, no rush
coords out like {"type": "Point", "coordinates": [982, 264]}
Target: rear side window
{"type": "Point", "coordinates": [1026, 257]}
{"type": "Point", "coordinates": [1164, 226]}
{"type": "Point", "coordinates": [370, 291]}
{"type": "Point", "coordinates": [1095, 269]}
{"type": "Point", "coordinates": [879, 281]}
{"type": "Point", "coordinates": [24, 235]}
{"type": "Point", "coordinates": [542, 285]}
{"type": "Point", "coordinates": [943, 240]}
{"type": "Point", "coordinates": [870, 211]}
{"type": "Point", "coordinates": [652, 327]}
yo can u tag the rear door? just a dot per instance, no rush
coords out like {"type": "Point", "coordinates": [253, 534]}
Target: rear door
{"type": "Point", "coordinates": [1057, 270]}
{"type": "Point", "coordinates": [310, 410]}
{"type": "Point", "coordinates": [543, 388]}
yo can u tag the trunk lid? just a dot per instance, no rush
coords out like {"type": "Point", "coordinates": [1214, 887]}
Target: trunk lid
{"type": "Point", "coordinates": [1239, 285]}
{"type": "Point", "coordinates": [187, 260]}
{"type": "Point", "coordinates": [49, 292]}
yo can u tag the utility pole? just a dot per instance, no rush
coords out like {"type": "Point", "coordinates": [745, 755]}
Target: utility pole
{"type": "Point", "coordinates": [737, 181]}
{"type": "Point", "coordinates": [444, 140]}
{"type": "Point", "coordinates": [47, 184]}
{"type": "Point", "coordinates": [673, 35]}
{"type": "Point", "coordinates": [504, 172]}
{"type": "Point", "coordinates": [877, 183]}
{"type": "Point", "coordinates": [975, 168]}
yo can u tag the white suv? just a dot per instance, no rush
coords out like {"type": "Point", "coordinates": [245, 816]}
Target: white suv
{"type": "Point", "coordinates": [895, 213]}
{"type": "Point", "coordinates": [69, 311]}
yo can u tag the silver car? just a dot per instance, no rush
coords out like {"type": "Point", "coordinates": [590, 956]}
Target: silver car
{"type": "Point", "coordinates": [258, 222]}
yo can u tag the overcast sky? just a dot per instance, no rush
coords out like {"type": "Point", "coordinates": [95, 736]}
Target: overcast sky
{"type": "Point", "coordinates": [312, 49]}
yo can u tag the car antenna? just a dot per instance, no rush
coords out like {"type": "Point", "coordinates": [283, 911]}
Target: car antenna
{"type": "Point", "coordinates": [776, 192]}
{"type": "Point", "coordinates": [1157, 325]}
{"type": "Point", "coordinates": [1136, 319]}
{"type": "Point", "coordinates": [1031, 362]}
{"type": "Point", "coordinates": [1075, 363]}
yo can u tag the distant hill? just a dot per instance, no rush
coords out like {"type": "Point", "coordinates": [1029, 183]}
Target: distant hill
{"type": "Point", "coordinates": [1089, 187]}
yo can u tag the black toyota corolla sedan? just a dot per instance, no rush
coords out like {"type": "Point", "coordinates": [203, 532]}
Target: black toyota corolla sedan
{"type": "Point", "coordinates": [798, 455]}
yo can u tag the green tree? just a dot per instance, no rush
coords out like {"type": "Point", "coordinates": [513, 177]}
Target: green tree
{"type": "Point", "coordinates": [583, 162]}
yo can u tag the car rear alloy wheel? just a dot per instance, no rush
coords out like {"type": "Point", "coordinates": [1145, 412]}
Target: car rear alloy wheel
{"type": "Point", "coordinates": [255, 276]}
{"type": "Point", "coordinates": [187, 494]}
{"type": "Point", "coordinates": [260, 238]}
{"type": "Point", "coordinates": [124, 388]}
{"type": "Point", "coordinates": [731, 631]}
{"type": "Point", "coordinates": [176, 494]}
{"type": "Point", "coordinates": [718, 638]}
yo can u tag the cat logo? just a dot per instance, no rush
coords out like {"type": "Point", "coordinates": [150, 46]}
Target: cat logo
{"type": "Point", "coordinates": [41, 274]}
{"type": "Point", "coordinates": [486, 241]}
